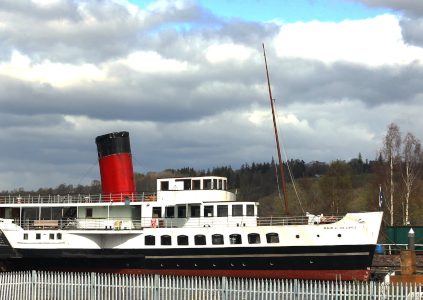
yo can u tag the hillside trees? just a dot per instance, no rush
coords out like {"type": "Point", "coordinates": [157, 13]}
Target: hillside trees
{"type": "Point", "coordinates": [391, 153]}
{"type": "Point", "coordinates": [412, 156]}
{"type": "Point", "coordinates": [398, 169]}
{"type": "Point", "coordinates": [336, 185]}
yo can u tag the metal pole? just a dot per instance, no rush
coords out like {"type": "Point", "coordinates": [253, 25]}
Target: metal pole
{"type": "Point", "coordinates": [276, 135]}
{"type": "Point", "coordinates": [411, 240]}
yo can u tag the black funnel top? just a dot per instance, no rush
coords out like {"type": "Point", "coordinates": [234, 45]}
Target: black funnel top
{"type": "Point", "coordinates": [113, 143]}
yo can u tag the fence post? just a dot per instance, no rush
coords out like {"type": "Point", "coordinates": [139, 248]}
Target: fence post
{"type": "Point", "coordinates": [156, 290]}
{"type": "Point", "coordinates": [224, 288]}
{"type": "Point", "coordinates": [93, 283]}
{"type": "Point", "coordinates": [33, 284]}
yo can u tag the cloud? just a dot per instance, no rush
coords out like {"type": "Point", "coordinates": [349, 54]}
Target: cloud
{"type": "Point", "coordinates": [412, 20]}
{"type": "Point", "coordinates": [190, 87]}
{"type": "Point", "coordinates": [372, 42]}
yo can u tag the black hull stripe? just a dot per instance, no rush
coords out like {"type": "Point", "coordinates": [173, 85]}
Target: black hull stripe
{"type": "Point", "coordinates": [256, 255]}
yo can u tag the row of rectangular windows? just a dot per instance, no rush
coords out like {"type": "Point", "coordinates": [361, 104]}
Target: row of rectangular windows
{"type": "Point", "coordinates": [222, 211]}
{"type": "Point", "coordinates": [52, 236]}
{"type": "Point", "coordinates": [216, 239]}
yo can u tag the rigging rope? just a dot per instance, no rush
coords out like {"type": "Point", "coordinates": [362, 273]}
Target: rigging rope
{"type": "Point", "coordinates": [287, 163]}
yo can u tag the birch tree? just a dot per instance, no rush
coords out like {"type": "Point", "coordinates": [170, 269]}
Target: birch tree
{"type": "Point", "coordinates": [412, 156]}
{"type": "Point", "coordinates": [391, 151]}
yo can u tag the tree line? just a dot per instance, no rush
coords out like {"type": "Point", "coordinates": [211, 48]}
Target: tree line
{"type": "Point", "coordinates": [392, 182]}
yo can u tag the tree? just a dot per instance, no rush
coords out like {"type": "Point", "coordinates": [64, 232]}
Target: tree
{"type": "Point", "coordinates": [412, 156]}
{"type": "Point", "coordinates": [336, 185]}
{"type": "Point", "coordinates": [391, 151]}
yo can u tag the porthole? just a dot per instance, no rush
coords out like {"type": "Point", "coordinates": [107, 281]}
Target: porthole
{"type": "Point", "coordinates": [182, 240]}
{"type": "Point", "coordinates": [339, 235]}
{"type": "Point", "coordinates": [297, 236]}
{"type": "Point", "coordinates": [149, 240]}
{"type": "Point", "coordinates": [272, 237]}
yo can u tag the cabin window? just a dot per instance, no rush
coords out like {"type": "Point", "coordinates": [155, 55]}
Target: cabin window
{"type": "Point", "coordinates": [220, 185]}
{"type": "Point", "coordinates": [272, 237]}
{"type": "Point", "coordinates": [250, 210]}
{"type": "Point", "coordinates": [215, 186]}
{"type": "Point", "coordinates": [164, 185]}
{"type": "Point", "coordinates": [170, 212]}
{"type": "Point", "coordinates": [217, 239]}
{"type": "Point", "coordinates": [254, 238]}
{"type": "Point", "coordinates": [182, 240]}
{"type": "Point", "coordinates": [38, 236]}
{"type": "Point", "coordinates": [207, 184]}
{"type": "Point", "coordinates": [200, 239]}
{"type": "Point", "coordinates": [235, 239]}
{"type": "Point", "coordinates": [208, 211]}
{"type": "Point", "coordinates": [51, 236]}
{"type": "Point", "coordinates": [182, 211]}
{"type": "Point", "coordinates": [149, 240]}
{"type": "Point", "coordinates": [195, 211]}
{"type": "Point", "coordinates": [157, 212]}
{"type": "Point", "coordinates": [237, 210]}
{"type": "Point", "coordinates": [222, 210]}
{"type": "Point", "coordinates": [25, 236]}
{"type": "Point", "coordinates": [59, 236]}
{"type": "Point", "coordinates": [224, 185]}
{"type": "Point", "coordinates": [89, 213]}
{"type": "Point", "coordinates": [166, 240]}
{"type": "Point", "coordinates": [196, 184]}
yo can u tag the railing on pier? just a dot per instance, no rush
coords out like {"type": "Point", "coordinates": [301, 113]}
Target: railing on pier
{"type": "Point", "coordinates": [59, 285]}
{"type": "Point", "coordinates": [58, 199]}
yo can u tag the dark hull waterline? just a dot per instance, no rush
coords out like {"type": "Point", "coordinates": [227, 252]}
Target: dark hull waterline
{"type": "Point", "coordinates": [324, 262]}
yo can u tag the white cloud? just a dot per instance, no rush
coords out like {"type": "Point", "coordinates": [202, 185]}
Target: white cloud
{"type": "Point", "coordinates": [152, 62]}
{"type": "Point", "coordinates": [56, 74]}
{"type": "Point", "coordinates": [376, 41]}
{"type": "Point", "coordinates": [218, 53]}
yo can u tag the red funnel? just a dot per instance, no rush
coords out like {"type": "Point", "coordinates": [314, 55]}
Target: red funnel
{"type": "Point", "coordinates": [116, 171]}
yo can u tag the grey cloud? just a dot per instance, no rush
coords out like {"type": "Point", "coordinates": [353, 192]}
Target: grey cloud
{"type": "Point", "coordinates": [412, 21]}
{"type": "Point", "coordinates": [410, 7]}
{"type": "Point", "coordinates": [193, 118]}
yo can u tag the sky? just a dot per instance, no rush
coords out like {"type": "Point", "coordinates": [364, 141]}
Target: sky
{"type": "Point", "coordinates": [187, 79]}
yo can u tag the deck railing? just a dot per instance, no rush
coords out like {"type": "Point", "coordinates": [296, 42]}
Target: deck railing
{"type": "Point", "coordinates": [79, 198]}
{"type": "Point", "coordinates": [137, 224]}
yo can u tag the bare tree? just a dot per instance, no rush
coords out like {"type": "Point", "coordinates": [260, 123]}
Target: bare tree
{"type": "Point", "coordinates": [412, 156]}
{"type": "Point", "coordinates": [391, 153]}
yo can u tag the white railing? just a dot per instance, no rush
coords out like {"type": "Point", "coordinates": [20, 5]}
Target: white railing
{"type": "Point", "coordinates": [37, 285]}
{"type": "Point", "coordinates": [57, 199]}
{"type": "Point", "coordinates": [136, 224]}
{"type": "Point", "coordinates": [296, 220]}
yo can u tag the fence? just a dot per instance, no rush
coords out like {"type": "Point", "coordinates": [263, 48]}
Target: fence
{"type": "Point", "coordinates": [59, 285]}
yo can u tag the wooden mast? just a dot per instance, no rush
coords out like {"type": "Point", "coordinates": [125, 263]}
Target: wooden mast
{"type": "Point", "coordinates": [272, 105]}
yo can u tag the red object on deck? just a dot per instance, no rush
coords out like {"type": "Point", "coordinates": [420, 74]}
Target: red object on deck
{"type": "Point", "coordinates": [116, 171]}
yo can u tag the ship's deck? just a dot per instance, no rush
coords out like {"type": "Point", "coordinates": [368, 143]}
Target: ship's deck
{"type": "Point", "coordinates": [131, 224]}
{"type": "Point", "coordinates": [75, 199]}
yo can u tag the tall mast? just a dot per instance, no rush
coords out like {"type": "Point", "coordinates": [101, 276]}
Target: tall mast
{"type": "Point", "coordinates": [272, 105]}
